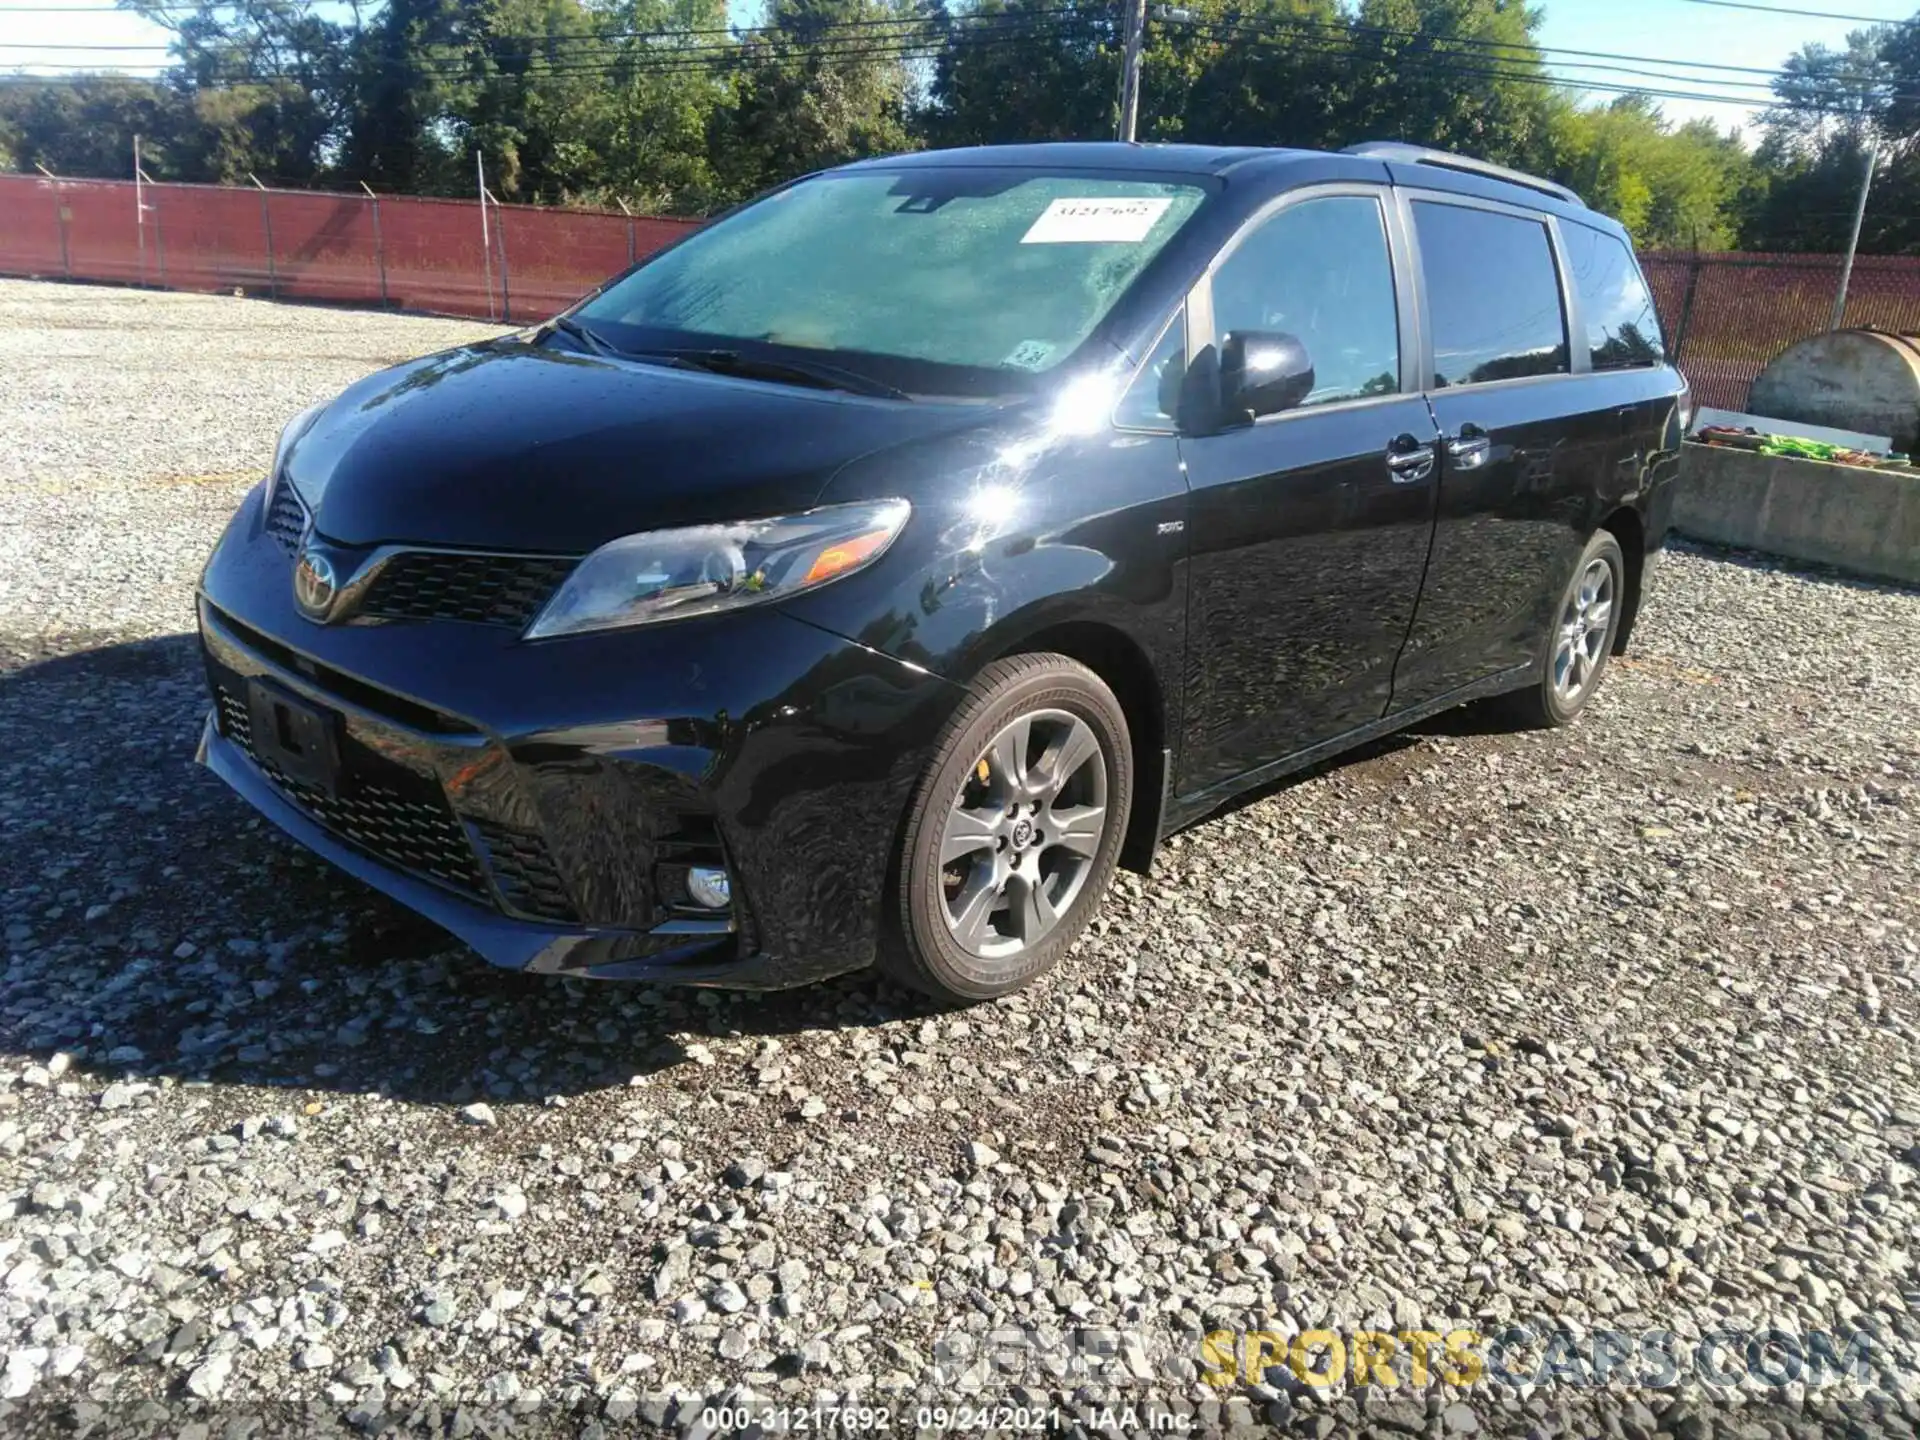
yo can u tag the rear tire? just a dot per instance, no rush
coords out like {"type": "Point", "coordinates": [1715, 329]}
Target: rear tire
{"type": "Point", "coordinates": [1579, 643]}
{"type": "Point", "coordinates": [1014, 832]}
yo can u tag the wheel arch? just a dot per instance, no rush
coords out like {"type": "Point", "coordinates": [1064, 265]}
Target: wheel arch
{"type": "Point", "coordinates": [1118, 659]}
{"type": "Point", "coordinates": [1628, 527]}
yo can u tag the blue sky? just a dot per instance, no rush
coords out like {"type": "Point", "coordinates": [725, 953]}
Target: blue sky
{"type": "Point", "coordinates": [1681, 30]}
{"type": "Point", "coordinates": [1664, 30]}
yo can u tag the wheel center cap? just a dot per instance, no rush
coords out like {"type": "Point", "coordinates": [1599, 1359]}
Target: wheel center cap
{"type": "Point", "coordinates": [1022, 835]}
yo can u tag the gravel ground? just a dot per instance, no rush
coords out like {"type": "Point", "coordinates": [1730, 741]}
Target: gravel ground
{"type": "Point", "coordinates": [1612, 1028]}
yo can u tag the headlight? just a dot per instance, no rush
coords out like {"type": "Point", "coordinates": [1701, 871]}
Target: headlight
{"type": "Point", "coordinates": [670, 574]}
{"type": "Point", "coordinates": [291, 432]}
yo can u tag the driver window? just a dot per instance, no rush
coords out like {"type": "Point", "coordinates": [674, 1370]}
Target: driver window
{"type": "Point", "coordinates": [1320, 270]}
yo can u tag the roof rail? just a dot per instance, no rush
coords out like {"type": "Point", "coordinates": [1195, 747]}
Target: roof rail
{"type": "Point", "coordinates": [1399, 151]}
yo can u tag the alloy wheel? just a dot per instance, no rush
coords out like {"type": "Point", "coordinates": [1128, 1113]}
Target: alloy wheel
{"type": "Point", "coordinates": [1586, 625]}
{"type": "Point", "coordinates": [1022, 836]}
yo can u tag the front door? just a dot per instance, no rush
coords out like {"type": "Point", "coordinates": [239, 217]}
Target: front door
{"type": "Point", "coordinates": [1308, 528]}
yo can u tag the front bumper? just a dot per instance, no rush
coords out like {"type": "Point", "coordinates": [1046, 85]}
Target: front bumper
{"type": "Point", "coordinates": [704, 952]}
{"type": "Point", "coordinates": [536, 799]}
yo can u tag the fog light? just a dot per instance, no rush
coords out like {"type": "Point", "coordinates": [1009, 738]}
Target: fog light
{"type": "Point", "coordinates": [710, 887]}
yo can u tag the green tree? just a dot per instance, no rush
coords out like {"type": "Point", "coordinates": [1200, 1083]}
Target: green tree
{"type": "Point", "coordinates": [823, 84]}
{"type": "Point", "coordinates": [1024, 70]}
{"type": "Point", "coordinates": [1670, 187]}
{"type": "Point", "coordinates": [531, 90]}
{"type": "Point", "coordinates": [1274, 73]}
{"type": "Point", "coordinates": [85, 124]}
{"type": "Point", "coordinates": [401, 71]}
{"type": "Point", "coordinates": [1462, 75]}
{"type": "Point", "coordinates": [263, 83]}
{"type": "Point", "coordinates": [663, 86]}
{"type": "Point", "coordinates": [1831, 107]}
{"type": "Point", "coordinates": [1825, 97]}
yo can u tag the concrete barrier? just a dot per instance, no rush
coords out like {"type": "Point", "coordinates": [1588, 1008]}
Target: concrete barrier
{"type": "Point", "coordinates": [1866, 521]}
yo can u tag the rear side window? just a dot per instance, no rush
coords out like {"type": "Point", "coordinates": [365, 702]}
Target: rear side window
{"type": "Point", "coordinates": [1623, 329]}
{"type": "Point", "coordinates": [1493, 295]}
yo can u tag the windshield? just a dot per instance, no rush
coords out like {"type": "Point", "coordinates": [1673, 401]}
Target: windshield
{"type": "Point", "coordinates": [957, 279]}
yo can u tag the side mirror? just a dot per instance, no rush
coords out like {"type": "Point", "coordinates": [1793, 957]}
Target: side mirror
{"type": "Point", "coordinates": [1262, 372]}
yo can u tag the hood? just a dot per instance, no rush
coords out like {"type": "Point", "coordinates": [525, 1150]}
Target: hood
{"type": "Point", "coordinates": [509, 446]}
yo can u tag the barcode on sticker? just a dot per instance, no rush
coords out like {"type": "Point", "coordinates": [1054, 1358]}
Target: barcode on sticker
{"type": "Point", "coordinates": [1095, 221]}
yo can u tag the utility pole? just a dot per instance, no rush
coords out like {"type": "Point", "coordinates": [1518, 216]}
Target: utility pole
{"type": "Point", "coordinates": [1853, 240]}
{"type": "Point", "coordinates": [1130, 72]}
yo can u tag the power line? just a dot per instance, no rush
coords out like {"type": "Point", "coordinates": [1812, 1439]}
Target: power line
{"type": "Point", "coordinates": [1060, 23]}
{"type": "Point", "coordinates": [715, 58]}
{"type": "Point", "coordinates": [1580, 60]}
{"type": "Point", "coordinates": [120, 10]}
{"type": "Point", "coordinates": [1021, 21]}
{"type": "Point", "coordinates": [1799, 14]}
{"type": "Point", "coordinates": [1494, 68]}
{"type": "Point", "coordinates": [710, 59]}
{"type": "Point", "coordinates": [1527, 50]}
{"type": "Point", "coordinates": [1007, 19]}
{"type": "Point", "coordinates": [1487, 71]}
{"type": "Point", "coordinates": [1510, 50]}
{"type": "Point", "coordinates": [913, 34]}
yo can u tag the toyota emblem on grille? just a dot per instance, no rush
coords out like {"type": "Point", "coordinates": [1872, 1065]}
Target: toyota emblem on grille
{"type": "Point", "coordinates": [314, 584]}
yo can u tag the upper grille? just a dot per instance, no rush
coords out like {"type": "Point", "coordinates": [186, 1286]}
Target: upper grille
{"type": "Point", "coordinates": [485, 589]}
{"type": "Point", "coordinates": [287, 517]}
{"type": "Point", "coordinates": [524, 873]}
{"type": "Point", "coordinates": [403, 820]}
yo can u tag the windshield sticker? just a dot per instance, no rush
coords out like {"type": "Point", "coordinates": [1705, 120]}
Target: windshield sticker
{"type": "Point", "coordinates": [1029, 355]}
{"type": "Point", "coordinates": [1096, 221]}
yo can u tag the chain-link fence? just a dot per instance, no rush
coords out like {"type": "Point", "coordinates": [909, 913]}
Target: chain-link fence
{"type": "Point", "coordinates": [404, 252]}
{"type": "Point", "coordinates": [1725, 315]}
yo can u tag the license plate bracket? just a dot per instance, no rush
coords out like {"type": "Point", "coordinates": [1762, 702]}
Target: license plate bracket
{"type": "Point", "coordinates": [298, 737]}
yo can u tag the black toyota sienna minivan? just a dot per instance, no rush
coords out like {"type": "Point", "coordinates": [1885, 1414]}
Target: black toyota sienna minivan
{"type": "Point", "coordinates": [866, 576]}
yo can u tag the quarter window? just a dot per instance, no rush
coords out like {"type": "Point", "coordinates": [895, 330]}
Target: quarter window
{"type": "Point", "coordinates": [1623, 330]}
{"type": "Point", "coordinates": [1321, 271]}
{"type": "Point", "coordinates": [1152, 402]}
{"type": "Point", "coordinates": [1493, 295]}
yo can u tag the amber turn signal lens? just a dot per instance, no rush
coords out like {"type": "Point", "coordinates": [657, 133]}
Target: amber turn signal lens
{"type": "Point", "coordinates": [845, 555]}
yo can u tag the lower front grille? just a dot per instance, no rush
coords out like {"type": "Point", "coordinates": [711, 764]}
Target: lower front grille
{"type": "Point", "coordinates": [524, 873]}
{"type": "Point", "coordinates": [395, 817]}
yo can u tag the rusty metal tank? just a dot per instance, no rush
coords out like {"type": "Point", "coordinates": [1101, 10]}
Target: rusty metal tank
{"type": "Point", "coordinates": [1867, 380]}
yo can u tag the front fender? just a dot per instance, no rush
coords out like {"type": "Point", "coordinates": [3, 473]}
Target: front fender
{"type": "Point", "coordinates": [1007, 542]}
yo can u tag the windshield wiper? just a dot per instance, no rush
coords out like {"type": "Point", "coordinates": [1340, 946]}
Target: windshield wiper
{"type": "Point", "coordinates": [807, 372]}
{"type": "Point", "coordinates": [572, 328]}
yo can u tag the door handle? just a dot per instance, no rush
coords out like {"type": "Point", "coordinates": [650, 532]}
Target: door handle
{"type": "Point", "coordinates": [1470, 449]}
{"type": "Point", "coordinates": [1408, 461]}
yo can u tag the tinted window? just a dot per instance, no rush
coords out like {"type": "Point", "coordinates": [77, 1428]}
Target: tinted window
{"type": "Point", "coordinates": [1622, 328]}
{"type": "Point", "coordinates": [1492, 293]}
{"type": "Point", "coordinates": [1320, 270]}
{"type": "Point", "coordinates": [1153, 399]}
{"type": "Point", "coordinates": [1000, 273]}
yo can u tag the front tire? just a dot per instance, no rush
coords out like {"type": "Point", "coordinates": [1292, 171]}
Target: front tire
{"type": "Point", "coordinates": [1014, 833]}
{"type": "Point", "coordinates": [1578, 645]}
